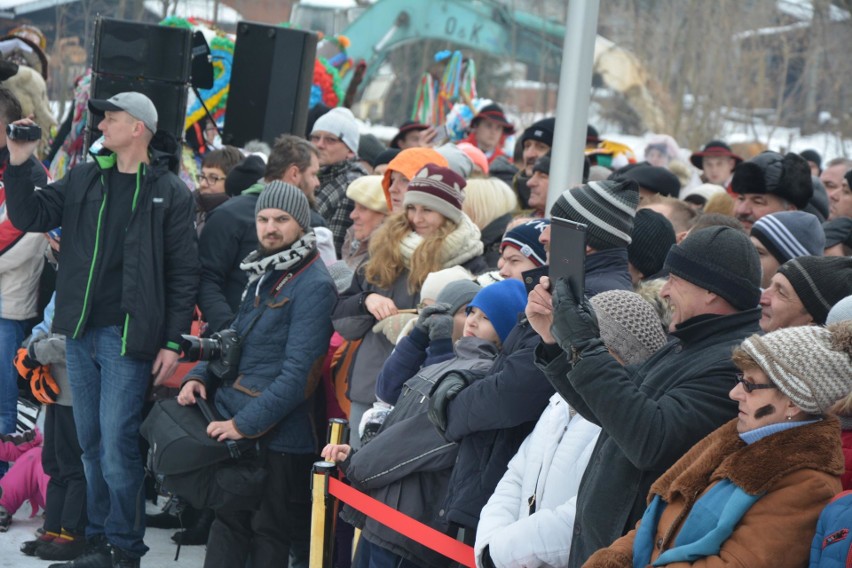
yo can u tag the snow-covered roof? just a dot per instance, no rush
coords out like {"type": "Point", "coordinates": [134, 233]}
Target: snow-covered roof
{"type": "Point", "coordinates": [13, 8]}
{"type": "Point", "coordinates": [804, 10]}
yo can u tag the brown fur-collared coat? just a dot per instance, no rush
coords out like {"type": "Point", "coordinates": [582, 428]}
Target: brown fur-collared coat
{"type": "Point", "coordinates": [796, 469]}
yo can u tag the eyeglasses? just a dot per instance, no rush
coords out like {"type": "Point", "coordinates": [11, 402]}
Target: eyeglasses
{"type": "Point", "coordinates": [211, 179]}
{"type": "Point", "coordinates": [317, 138]}
{"type": "Point", "coordinates": [750, 386]}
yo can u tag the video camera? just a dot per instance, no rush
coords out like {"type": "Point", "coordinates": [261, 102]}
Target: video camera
{"type": "Point", "coordinates": [23, 133]}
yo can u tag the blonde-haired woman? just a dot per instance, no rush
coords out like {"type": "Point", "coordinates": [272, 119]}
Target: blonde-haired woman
{"type": "Point", "coordinates": [430, 234]}
{"type": "Point", "coordinates": [490, 203]}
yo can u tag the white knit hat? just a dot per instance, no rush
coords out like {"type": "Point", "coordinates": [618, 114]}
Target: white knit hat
{"type": "Point", "coordinates": [341, 122]}
{"type": "Point", "coordinates": [812, 365]}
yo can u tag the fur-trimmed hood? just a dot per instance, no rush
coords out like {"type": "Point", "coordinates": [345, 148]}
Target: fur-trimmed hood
{"type": "Point", "coordinates": [755, 468]}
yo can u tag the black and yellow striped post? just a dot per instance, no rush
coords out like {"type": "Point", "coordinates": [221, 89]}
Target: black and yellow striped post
{"type": "Point", "coordinates": [323, 514]}
{"type": "Point", "coordinates": [338, 431]}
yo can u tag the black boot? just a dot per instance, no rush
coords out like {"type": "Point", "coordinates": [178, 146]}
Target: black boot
{"type": "Point", "coordinates": [96, 555]}
{"type": "Point", "coordinates": [197, 532]}
{"type": "Point", "coordinates": [120, 559]}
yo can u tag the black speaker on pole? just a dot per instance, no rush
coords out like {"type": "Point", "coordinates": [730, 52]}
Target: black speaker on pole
{"type": "Point", "coordinates": [153, 60]}
{"type": "Point", "coordinates": [271, 80]}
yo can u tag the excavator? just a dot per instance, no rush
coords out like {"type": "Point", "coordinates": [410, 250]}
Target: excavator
{"type": "Point", "coordinates": [485, 26]}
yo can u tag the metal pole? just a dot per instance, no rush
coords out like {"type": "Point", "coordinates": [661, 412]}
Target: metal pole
{"type": "Point", "coordinates": [572, 106]}
{"type": "Point", "coordinates": [338, 431]}
{"type": "Point", "coordinates": [323, 511]}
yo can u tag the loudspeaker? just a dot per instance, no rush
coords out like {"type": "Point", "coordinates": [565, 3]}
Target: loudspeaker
{"type": "Point", "coordinates": [271, 78]}
{"type": "Point", "coordinates": [169, 98]}
{"type": "Point", "coordinates": [157, 53]}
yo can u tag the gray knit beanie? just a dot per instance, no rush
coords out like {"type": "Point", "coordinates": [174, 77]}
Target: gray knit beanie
{"type": "Point", "coordinates": [721, 260]}
{"type": "Point", "coordinates": [458, 294]}
{"type": "Point", "coordinates": [607, 207]}
{"type": "Point", "coordinates": [842, 311]}
{"type": "Point", "coordinates": [811, 364]}
{"type": "Point", "coordinates": [629, 325]}
{"type": "Point", "coordinates": [281, 195]}
{"type": "Point", "coordinates": [819, 281]}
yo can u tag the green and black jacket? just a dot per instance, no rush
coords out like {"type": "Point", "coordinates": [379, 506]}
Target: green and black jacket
{"type": "Point", "coordinates": [161, 268]}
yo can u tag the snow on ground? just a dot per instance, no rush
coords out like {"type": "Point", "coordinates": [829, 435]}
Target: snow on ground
{"type": "Point", "coordinates": [162, 551]}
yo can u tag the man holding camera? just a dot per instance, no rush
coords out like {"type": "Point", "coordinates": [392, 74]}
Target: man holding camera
{"type": "Point", "coordinates": [125, 292]}
{"type": "Point", "coordinates": [283, 326]}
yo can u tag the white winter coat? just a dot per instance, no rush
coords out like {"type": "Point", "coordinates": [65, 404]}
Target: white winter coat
{"type": "Point", "coordinates": [549, 466]}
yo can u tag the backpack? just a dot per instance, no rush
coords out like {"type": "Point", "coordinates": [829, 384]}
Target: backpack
{"type": "Point", "coordinates": [202, 471]}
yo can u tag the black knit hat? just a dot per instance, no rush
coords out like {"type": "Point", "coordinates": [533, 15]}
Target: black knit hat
{"type": "Point", "coordinates": [653, 178]}
{"type": "Point", "coordinates": [543, 164]}
{"type": "Point", "coordinates": [607, 207]}
{"type": "Point", "coordinates": [385, 157]}
{"type": "Point", "coordinates": [541, 131]}
{"type": "Point", "coordinates": [244, 175]}
{"type": "Point", "coordinates": [369, 148]}
{"type": "Point", "coordinates": [819, 281]}
{"type": "Point", "coordinates": [592, 136]}
{"type": "Point", "coordinates": [787, 177]}
{"type": "Point", "coordinates": [653, 236]}
{"type": "Point", "coordinates": [812, 156]}
{"type": "Point", "coordinates": [721, 260]}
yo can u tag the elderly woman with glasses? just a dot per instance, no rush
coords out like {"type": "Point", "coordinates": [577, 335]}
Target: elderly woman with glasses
{"type": "Point", "coordinates": [750, 493]}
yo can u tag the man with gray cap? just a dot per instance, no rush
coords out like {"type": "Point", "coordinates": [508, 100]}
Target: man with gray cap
{"type": "Point", "coordinates": [335, 136]}
{"type": "Point", "coordinates": [652, 414]}
{"type": "Point", "coordinates": [125, 293]}
{"type": "Point", "coordinates": [284, 322]}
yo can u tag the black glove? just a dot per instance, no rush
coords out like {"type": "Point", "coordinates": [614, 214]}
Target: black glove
{"type": "Point", "coordinates": [575, 325]}
{"type": "Point", "coordinates": [427, 312]}
{"type": "Point", "coordinates": [443, 391]}
{"type": "Point", "coordinates": [487, 561]}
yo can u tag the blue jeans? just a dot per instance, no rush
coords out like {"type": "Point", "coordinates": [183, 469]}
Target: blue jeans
{"type": "Point", "coordinates": [109, 391]}
{"type": "Point", "coordinates": [11, 336]}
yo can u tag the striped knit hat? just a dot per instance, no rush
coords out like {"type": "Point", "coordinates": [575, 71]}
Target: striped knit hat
{"type": "Point", "coordinates": [819, 281]}
{"type": "Point", "coordinates": [524, 237]}
{"type": "Point", "coordinates": [286, 197]}
{"type": "Point", "coordinates": [790, 234]}
{"type": "Point", "coordinates": [438, 188]}
{"type": "Point", "coordinates": [812, 365]}
{"type": "Point", "coordinates": [607, 207]}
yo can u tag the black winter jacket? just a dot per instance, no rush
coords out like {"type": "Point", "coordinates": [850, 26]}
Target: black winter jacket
{"type": "Point", "coordinates": [229, 235]}
{"type": "Point", "coordinates": [160, 272]}
{"type": "Point", "coordinates": [650, 415]}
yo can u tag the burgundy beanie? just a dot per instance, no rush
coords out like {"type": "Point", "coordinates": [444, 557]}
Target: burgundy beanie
{"type": "Point", "coordinates": [440, 189]}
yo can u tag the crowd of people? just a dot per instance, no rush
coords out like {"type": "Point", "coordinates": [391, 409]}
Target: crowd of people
{"type": "Point", "coordinates": [691, 403]}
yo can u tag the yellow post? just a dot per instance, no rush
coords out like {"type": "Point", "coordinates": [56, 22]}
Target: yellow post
{"type": "Point", "coordinates": [338, 431]}
{"type": "Point", "coordinates": [323, 511]}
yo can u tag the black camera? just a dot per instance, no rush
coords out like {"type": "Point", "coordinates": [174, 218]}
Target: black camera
{"type": "Point", "coordinates": [222, 350]}
{"type": "Point", "coordinates": [24, 132]}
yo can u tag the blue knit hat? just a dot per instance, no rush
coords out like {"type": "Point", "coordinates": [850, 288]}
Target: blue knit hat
{"type": "Point", "coordinates": [524, 237]}
{"type": "Point", "coordinates": [501, 302]}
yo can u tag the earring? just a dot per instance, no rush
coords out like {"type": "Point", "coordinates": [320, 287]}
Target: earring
{"type": "Point", "coordinates": [789, 417]}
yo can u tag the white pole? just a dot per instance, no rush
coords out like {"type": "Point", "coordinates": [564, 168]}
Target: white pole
{"type": "Point", "coordinates": [572, 105]}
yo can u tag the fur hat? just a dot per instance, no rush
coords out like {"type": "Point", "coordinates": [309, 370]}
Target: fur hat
{"type": "Point", "coordinates": [439, 189]}
{"type": "Point", "coordinates": [607, 207]}
{"type": "Point", "coordinates": [501, 302]}
{"type": "Point", "coordinates": [819, 281]}
{"type": "Point", "coordinates": [787, 177]}
{"type": "Point", "coordinates": [629, 325]}
{"type": "Point", "coordinates": [367, 191]}
{"type": "Point", "coordinates": [790, 234]}
{"type": "Point", "coordinates": [811, 364]}
{"type": "Point", "coordinates": [341, 122]}
{"type": "Point", "coordinates": [721, 260]}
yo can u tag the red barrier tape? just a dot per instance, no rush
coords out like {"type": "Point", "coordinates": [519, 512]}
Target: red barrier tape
{"type": "Point", "coordinates": [403, 524]}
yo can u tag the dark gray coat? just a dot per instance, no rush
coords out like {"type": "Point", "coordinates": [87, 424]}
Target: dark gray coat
{"type": "Point", "coordinates": [407, 465]}
{"type": "Point", "coordinates": [650, 415]}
